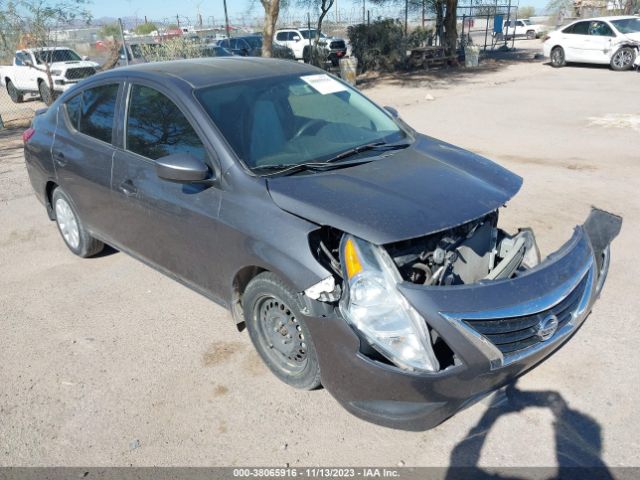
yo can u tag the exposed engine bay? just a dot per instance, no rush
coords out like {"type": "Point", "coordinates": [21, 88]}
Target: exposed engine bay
{"type": "Point", "coordinates": [466, 254]}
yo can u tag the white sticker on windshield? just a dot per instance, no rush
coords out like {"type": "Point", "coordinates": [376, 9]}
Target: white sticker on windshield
{"type": "Point", "coordinates": [324, 84]}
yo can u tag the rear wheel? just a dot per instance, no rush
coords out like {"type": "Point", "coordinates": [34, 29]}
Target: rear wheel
{"type": "Point", "coordinates": [623, 59]}
{"type": "Point", "coordinates": [15, 95]}
{"type": "Point", "coordinates": [73, 232]}
{"type": "Point", "coordinates": [273, 318]}
{"type": "Point", "coordinates": [557, 57]}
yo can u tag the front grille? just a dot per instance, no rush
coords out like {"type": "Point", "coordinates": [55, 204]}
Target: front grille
{"type": "Point", "coordinates": [337, 45]}
{"type": "Point", "coordinates": [78, 73]}
{"type": "Point", "coordinates": [513, 334]}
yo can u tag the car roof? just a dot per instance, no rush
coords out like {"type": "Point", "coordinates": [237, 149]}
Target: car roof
{"type": "Point", "coordinates": [204, 72]}
{"type": "Point", "coordinates": [617, 17]}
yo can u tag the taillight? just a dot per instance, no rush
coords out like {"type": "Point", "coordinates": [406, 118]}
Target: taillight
{"type": "Point", "coordinates": [27, 134]}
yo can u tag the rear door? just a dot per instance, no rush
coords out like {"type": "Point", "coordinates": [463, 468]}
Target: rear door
{"type": "Point", "coordinates": [170, 225]}
{"type": "Point", "coordinates": [83, 152]}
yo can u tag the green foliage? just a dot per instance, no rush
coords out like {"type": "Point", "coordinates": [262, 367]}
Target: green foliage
{"type": "Point", "coordinates": [145, 28]}
{"type": "Point", "coordinates": [382, 44]}
{"type": "Point", "coordinates": [110, 30]}
{"type": "Point", "coordinates": [526, 11]}
{"type": "Point", "coordinates": [174, 49]}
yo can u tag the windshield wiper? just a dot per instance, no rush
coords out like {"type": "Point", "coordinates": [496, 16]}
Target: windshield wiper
{"type": "Point", "coordinates": [291, 168]}
{"type": "Point", "coordinates": [377, 146]}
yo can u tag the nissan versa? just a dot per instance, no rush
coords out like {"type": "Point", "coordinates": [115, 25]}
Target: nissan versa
{"type": "Point", "coordinates": [358, 253]}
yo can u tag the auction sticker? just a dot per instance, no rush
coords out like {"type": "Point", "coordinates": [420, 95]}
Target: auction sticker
{"type": "Point", "coordinates": [324, 84]}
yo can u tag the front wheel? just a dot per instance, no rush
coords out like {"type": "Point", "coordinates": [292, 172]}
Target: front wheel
{"type": "Point", "coordinates": [623, 59]}
{"type": "Point", "coordinates": [14, 94]}
{"type": "Point", "coordinates": [75, 235]}
{"type": "Point", "coordinates": [531, 35]}
{"type": "Point", "coordinates": [272, 313]}
{"type": "Point", "coordinates": [557, 57]}
{"type": "Point", "coordinates": [45, 93]}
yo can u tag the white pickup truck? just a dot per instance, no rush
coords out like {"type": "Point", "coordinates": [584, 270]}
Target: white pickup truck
{"type": "Point", "coordinates": [28, 72]}
{"type": "Point", "coordinates": [521, 28]}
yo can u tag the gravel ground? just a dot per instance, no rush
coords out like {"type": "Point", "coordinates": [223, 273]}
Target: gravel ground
{"type": "Point", "coordinates": [107, 362]}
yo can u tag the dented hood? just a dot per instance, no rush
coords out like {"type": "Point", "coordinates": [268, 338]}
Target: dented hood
{"type": "Point", "coordinates": [425, 188]}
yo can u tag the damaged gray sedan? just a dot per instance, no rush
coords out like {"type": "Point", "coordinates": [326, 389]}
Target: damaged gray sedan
{"type": "Point", "coordinates": [359, 254]}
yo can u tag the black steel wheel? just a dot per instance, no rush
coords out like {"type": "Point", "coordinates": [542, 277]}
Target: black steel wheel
{"type": "Point", "coordinates": [14, 94]}
{"type": "Point", "coordinates": [623, 59]}
{"type": "Point", "coordinates": [557, 57]}
{"type": "Point", "coordinates": [279, 333]}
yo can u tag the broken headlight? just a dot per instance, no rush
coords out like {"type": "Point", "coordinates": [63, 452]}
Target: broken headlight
{"type": "Point", "coordinates": [375, 307]}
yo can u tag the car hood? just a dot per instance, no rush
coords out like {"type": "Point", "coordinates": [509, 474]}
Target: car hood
{"type": "Point", "coordinates": [73, 64]}
{"type": "Point", "coordinates": [423, 189]}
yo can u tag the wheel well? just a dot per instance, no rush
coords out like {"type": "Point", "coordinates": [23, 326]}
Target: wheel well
{"type": "Point", "coordinates": [6, 80]}
{"type": "Point", "coordinates": [238, 286]}
{"type": "Point", "coordinates": [48, 190]}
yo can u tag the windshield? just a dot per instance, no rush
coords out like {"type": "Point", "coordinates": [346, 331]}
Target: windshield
{"type": "Point", "coordinates": [53, 56]}
{"type": "Point", "coordinates": [311, 33]}
{"type": "Point", "coordinates": [627, 25]}
{"type": "Point", "coordinates": [289, 120]}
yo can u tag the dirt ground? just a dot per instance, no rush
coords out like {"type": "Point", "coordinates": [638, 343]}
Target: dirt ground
{"type": "Point", "coordinates": [107, 362]}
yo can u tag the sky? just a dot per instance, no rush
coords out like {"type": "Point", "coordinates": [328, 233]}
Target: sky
{"type": "Point", "coordinates": [165, 9]}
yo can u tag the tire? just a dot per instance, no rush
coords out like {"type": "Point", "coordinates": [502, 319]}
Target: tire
{"type": "Point", "coordinates": [45, 93]}
{"type": "Point", "coordinates": [306, 55]}
{"type": "Point", "coordinates": [623, 59]}
{"type": "Point", "coordinates": [73, 232]}
{"type": "Point", "coordinates": [279, 333]}
{"type": "Point", "coordinates": [15, 95]}
{"type": "Point", "coordinates": [531, 35]}
{"type": "Point", "coordinates": [557, 57]}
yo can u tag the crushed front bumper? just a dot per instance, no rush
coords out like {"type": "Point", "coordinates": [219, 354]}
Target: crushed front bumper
{"type": "Point", "coordinates": [565, 286]}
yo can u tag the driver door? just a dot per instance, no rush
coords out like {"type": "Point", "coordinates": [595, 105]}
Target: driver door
{"type": "Point", "coordinates": [172, 226]}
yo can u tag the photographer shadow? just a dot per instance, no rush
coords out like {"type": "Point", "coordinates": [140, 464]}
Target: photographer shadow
{"type": "Point", "coordinates": [578, 439]}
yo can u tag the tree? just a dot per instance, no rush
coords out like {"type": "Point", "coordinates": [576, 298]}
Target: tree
{"type": "Point", "coordinates": [145, 28]}
{"type": "Point", "coordinates": [526, 11]}
{"type": "Point", "coordinates": [271, 12]}
{"type": "Point", "coordinates": [110, 30]}
{"type": "Point", "coordinates": [324, 6]}
{"type": "Point", "coordinates": [34, 22]}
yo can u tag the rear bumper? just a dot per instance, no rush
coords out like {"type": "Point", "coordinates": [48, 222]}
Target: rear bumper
{"type": "Point", "coordinates": [386, 395]}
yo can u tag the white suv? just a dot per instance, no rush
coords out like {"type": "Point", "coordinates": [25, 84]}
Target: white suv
{"type": "Point", "coordinates": [299, 41]}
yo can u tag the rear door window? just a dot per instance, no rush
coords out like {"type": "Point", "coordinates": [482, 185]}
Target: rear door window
{"type": "Point", "coordinates": [92, 112]}
{"type": "Point", "coordinates": [156, 127]}
{"type": "Point", "coordinates": [580, 28]}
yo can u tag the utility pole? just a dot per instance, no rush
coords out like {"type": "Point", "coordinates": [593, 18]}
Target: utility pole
{"type": "Point", "coordinates": [124, 43]}
{"type": "Point", "coordinates": [364, 11]}
{"type": "Point", "coordinates": [226, 19]}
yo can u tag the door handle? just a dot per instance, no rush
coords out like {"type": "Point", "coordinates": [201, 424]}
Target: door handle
{"type": "Point", "coordinates": [60, 159]}
{"type": "Point", "coordinates": [128, 188]}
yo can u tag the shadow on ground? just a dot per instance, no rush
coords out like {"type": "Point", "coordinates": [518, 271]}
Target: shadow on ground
{"type": "Point", "coordinates": [578, 439]}
{"type": "Point", "coordinates": [448, 76]}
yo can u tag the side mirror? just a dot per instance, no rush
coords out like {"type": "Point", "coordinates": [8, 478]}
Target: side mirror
{"type": "Point", "coordinates": [28, 62]}
{"type": "Point", "coordinates": [183, 168]}
{"type": "Point", "coordinates": [85, 58]}
{"type": "Point", "coordinates": [394, 113]}
{"type": "Point", "coordinates": [296, 38]}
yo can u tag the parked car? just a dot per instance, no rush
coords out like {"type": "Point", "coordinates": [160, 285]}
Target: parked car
{"type": "Point", "coordinates": [251, 46]}
{"type": "Point", "coordinates": [28, 75]}
{"type": "Point", "coordinates": [300, 42]}
{"type": "Point", "coordinates": [358, 253]}
{"type": "Point", "coordinates": [606, 40]}
{"type": "Point", "coordinates": [213, 50]}
{"type": "Point", "coordinates": [521, 28]}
